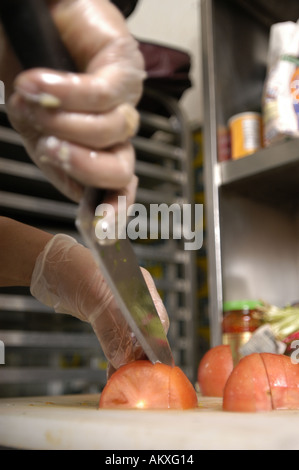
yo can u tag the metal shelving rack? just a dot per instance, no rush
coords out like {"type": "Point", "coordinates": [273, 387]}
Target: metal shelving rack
{"type": "Point", "coordinates": [252, 203]}
{"type": "Point", "coordinates": [47, 353]}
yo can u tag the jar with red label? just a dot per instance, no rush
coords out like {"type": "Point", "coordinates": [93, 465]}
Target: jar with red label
{"type": "Point", "coordinates": [239, 322]}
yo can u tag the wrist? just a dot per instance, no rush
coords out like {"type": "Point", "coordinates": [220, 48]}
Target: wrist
{"type": "Point", "coordinates": [20, 246]}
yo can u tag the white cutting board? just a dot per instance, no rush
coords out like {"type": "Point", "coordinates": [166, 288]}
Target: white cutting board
{"type": "Point", "coordinates": [76, 423]}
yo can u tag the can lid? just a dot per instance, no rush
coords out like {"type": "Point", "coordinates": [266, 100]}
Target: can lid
{"type": "Point", "coordinates": [241, 305]}
{"type": "Point", "coordinates": [248, 114]}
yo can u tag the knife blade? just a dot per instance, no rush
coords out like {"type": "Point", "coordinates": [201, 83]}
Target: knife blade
{"type": "Point", "coordinates": [118, 263]}
{"type": "Point", "coordinates": [36, 41]}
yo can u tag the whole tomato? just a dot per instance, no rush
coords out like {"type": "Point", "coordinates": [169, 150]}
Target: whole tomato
{"type": "Point", "coordinates": [214, 369]}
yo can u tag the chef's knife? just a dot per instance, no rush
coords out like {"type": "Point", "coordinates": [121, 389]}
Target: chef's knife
{"type": "Point", "coordinates": [34, 37]}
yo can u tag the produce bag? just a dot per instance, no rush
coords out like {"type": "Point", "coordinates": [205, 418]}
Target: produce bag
{"type": "Point", "coordinates": [281, 90]}
{"type": "Point", "coordinates": [279, 333]}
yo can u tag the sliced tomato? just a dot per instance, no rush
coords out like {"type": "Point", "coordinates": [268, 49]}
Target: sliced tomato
{"type": "Point", "coordinates": [261, 382]}
{"type": "Point", "coordinates": [214, 369]}
{"type": "Point", "coordinates": [284, 381]}
{"type": "Point", "coordinates": [247, 388]}
{"type": "Point", "coordinates": [143, 385]}
{"type": "Point", "coordinates": [182, 394]}
{"type": "Point", "coordinates": [277, 379]}
{"type": "Point", "coordinates": [283, 378]}
{"type": "Point", "coordinates": [292, 377]}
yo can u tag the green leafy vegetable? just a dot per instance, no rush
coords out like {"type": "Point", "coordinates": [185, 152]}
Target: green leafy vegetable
{"type": "Point", "coordinates": [283, 321]}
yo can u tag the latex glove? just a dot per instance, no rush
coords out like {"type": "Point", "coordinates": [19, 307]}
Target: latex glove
{"type": "Point", "coordinates": [67, 279]}
{"type": "Point", "coordinates": [76, 126]}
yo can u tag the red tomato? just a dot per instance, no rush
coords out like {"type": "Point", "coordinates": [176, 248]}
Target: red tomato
{"type": "Point", "coordinates": [213, 371]}
{"type": "Point", "coordinates": [143, 385]}
{"type": "Point", "coordinates": [247, 388]}
{"type": "Point", "coordinates": [262, 382]}
{"type": "Point", "coordinates": [283, 378]}
{"type": "Point", "coordinates": [292, 377]}
{"type": "Point", "coordinates": [276, 377]}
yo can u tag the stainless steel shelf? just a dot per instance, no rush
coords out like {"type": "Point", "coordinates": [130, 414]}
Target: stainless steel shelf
{"type": "Point", "coordinates": [161, 253]}
{"type": "Point", "coordinates": [267, 12]}
{"type": "Point", "coordinates": [178, 285]}
{"type": "Point", "coordinates": [34, 375]}
{"type": "Point", "coordinates": [38, 206]}
{"type": "Point", "coordinates": [157, 149]}
{"type": "Point", "coordinates": [58, 341]}
{"type": "Point", "coordinates": [252, 203]}
{"type": "Point", "coordinates": [261, 163]}
{"type": "Point", "coordinates": [154, 121]}
{"type": "Point", "coordinates": [10, 136]}
{"type": "Point", "coordinates": [20, 169]}
{"type": "Point", "coordinates": [269, 176]}
{"type": "Point", "coordinates": [145, 195]}
{"type": "Point", "coordinates": [164, 174]}
{"type": "Point", "coordinates": [22, 303]}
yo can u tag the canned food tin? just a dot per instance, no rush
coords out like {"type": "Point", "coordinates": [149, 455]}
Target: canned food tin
{"type": "Point", "coordinates": [246, 134]}
{"type": "Point", "coordinates": [223, 143]}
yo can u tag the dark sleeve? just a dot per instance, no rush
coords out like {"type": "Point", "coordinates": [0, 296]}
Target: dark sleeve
{"type": "Point", "coordinates": [126, 6]}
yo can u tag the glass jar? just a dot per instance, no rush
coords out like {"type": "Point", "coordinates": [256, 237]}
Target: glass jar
{"type": "Point", "coordinates": [238, 324]}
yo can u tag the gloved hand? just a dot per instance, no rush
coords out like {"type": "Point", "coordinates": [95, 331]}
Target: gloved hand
{"type": "Point", "coordinates": [76, 126]}
{"type": "Point", "coordinates": [66, 278]}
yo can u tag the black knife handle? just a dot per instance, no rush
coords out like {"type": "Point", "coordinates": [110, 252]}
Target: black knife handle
{"type": "Point", "coordinates": [33, 35]}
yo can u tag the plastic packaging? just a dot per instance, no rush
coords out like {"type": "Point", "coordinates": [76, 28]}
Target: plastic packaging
{"type": "Point", "coordinates": [281, 90]}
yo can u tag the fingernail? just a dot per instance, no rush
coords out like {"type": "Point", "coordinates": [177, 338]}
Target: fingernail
{"type": "Point", "coordinates": [43, 99]}
{"type": "Point", "coordinates": [131, 118]}
{"type": "Point", "coordinates": [31, 92]}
